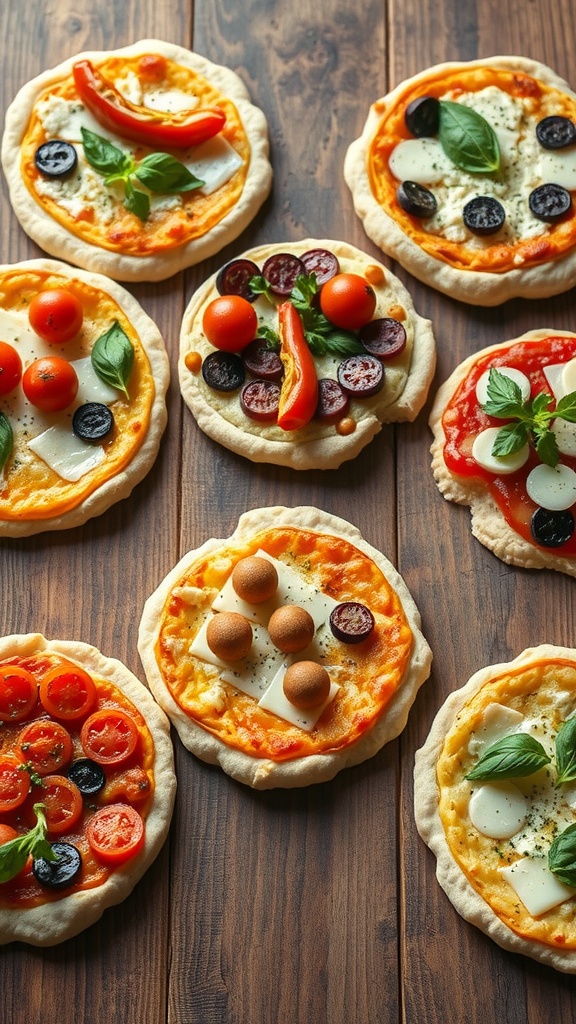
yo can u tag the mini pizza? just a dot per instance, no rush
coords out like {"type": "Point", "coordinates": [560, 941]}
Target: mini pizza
{"type": "Point", "coordinates": [495, 792]}
{"type": "Point", "coordinates": [87, 786]}
{"type": "Point", "coordinates": [504, 428]}
{"type": "Point", "coordinates": [297, 354]}
{"type": "Point", "coordinates": [137, 162]}
{"type": "Point", "coordinates": [465, 174]}
{"type": "Point", "coordinates": [83, 380]}
{"type": "Point", "coordinates": [287, 652]}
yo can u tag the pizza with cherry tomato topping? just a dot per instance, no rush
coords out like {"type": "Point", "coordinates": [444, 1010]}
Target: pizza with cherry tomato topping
{"type": "Point", "coordinates": [297, 354]}
{"type": "Point", "coordinates": [87, 786]}
{"type": "Point", "coordinates": [504, 426]}
{"type": "Point", "coordinates": [137, 162]}
{"type": "Point", "coordinates": [287, 652]}
{"type": "Point", "coordinates": [466, 174]}
{"type": "Point", "coordinates": [83, 379]}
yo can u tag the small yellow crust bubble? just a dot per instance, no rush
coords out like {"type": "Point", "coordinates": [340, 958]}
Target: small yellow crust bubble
{"type": "Point", "coordinates": [374, 274]}
{"type": "Point", "coordinates": [346, 426]}
{"type": "Point", "coordinates": [193, 361]}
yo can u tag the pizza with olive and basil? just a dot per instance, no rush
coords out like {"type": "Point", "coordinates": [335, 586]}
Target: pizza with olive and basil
{"type": "Point", "coordinates": [87, 786]}
{"type": "Point", "coordinates": [287, 652]}
{"type": "Point", "coordinates": [83, 379]}
{"type": "Point", "coordinates": [296, 354]}
{"type": "Point", "coordinates": [466, 173]}
{"type": "Point", "coordinates": [504, 427]}
{"type": "Point", "coordinates": [494, 800]}
{"type": "Point", "coordinates": [136, 162]}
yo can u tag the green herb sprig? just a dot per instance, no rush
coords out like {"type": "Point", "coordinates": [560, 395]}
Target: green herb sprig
{"type": "Point", "coordinates": [113, 357]}
{"type": "Point", "coordinates": [512, 757]}
{"type": "Point", "coordinates": [6, 440]}
{"type": "Point", "coordinates": [15, 853]}
{"type": "Point", "coordinates": [468, 139]}
{"type": "Point", "coordinates": [530, 419]}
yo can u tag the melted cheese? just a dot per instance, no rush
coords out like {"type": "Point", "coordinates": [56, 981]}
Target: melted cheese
{"type": "Point", "coordinates": [535, 885]}
{"type": "Point", "coordinates": [552, 488]}
{"type": "Point", "coordinates": [498, 809]}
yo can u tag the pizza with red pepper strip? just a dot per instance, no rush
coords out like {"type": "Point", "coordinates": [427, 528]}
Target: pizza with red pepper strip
{"type": "Point", "coordinates": [286, 652]}
{"type": "Point", "coordinates": [87, 786]}
{"type": "Point", "coordinates": [466, 172]}
{"type": "Point", "coordinates": [136, 162]}
{"type": "Point", "coordinates": [296, 354]}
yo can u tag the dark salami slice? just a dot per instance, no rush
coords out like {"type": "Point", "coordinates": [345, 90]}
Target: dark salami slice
{"type": "Point", "coordinates": [321, 262]}
{"type": "Point", "coordinates": [234, 278]}
{"type": "Point", "coordinates": [333, 402]}
{"type": "Point", "coordinates": [361, 375]}
{"type": "Point", "coordinates": [223, 371]}
{"type": "Point", "coordinates": [260, 400]}
{"type": "Point", "coordinates": [281, 271]}
{"type": "Point", "coordinates": [351, 622]}
{"type": "Point", "coordinates": [383, 338]}
{"type": "Point", "coordinates": [262, 361]}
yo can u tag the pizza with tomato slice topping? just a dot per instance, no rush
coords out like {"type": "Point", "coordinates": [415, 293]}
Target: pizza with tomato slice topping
{"type": "Point", "coordinates": [83, 380]}
{"type": "Point", "coordinates": [504, 426]}
{"type": "Point", "coordinates": [296, 354]}
{"type": "Point", "coordinates": [137, 162]}
{"type": "Point", "coordinates": [466, 173]}
{"type": "Point", "coordinates": [287, 652]}
{"type": "Point", "coordinates": [87, 786]}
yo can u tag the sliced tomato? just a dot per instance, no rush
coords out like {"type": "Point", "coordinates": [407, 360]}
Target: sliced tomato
{"type": "Point", "coordinates": [109, 736]}
{"type": "Point", "coordinates": [67, 692]}
{"type": "Point", "coordinates": [63, 804]}
{"type": "Point", "coordinates": [116, 833]}
{"type": "Point", "coordinates": [46, 746]}
{"type": "Point", "coordinates": [7, 833]}
{"type": "Point", "coordinates": [14, 784]}
{"type": "Point", "coordinates": [18, 693]}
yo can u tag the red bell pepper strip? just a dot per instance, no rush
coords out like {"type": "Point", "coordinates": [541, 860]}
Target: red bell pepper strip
{"type": "Point", "coordinates": [299, 391]}
{"type": "Point", "coordinates": [140, 124]}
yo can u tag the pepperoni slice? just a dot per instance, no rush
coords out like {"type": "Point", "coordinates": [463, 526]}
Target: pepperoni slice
{"type": "Point", "coordinates": [361, 375]}
{"type": "Point", "coordinates": [223, 371]}
{"type": "Point", "coordinates": [384, 337]}
{"type": "Point", "coordinates": [333, 402]}
{"type": "Point", "coordinates": [260, 400]}
{"type": "Point", "coordinates": [321, 262]}
{"type": "Point", "coordinates": [234, 278]}
{"type": "Point", "coordinates": [281, 271]}
{"type": "Point", "coordinates": [261, 361]}
{"type": "Point", "coordinates": [351, 622]}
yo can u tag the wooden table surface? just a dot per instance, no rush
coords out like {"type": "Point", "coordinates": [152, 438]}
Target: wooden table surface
{"type": "Point", "coordinates": [316, 905]}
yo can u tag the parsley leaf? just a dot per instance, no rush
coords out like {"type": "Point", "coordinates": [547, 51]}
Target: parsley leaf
{"type": "Point", "coordinates": [15, 853]}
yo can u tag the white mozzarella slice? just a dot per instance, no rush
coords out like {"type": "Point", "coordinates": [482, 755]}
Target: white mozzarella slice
{"type": "Point", "coordinates": [90, 387]}
{"type": "Point", "coordinates": [498, 809]}
{"type": "Point", "coordinates": [565, 436]}
{"type": "Point", "coordinates": [501, 464]}
{"type": "Point", "coordinates": [535, 885]}
{"type": "Point", "coordinates": [252, 674]}
{"type": "Point", "coordinates": [171, 101]}
{"type": "Point", "coordinates": [64, 119]}
{"type": "Point", "coordinates": [553, 375]}
{"type": "Point", "coordinates": [421, 160]}
{"type": "Point", "coordinates": [568, 377]}
{"type": "Point", "coordinates": [554, 489]}
{"type": "Point", "coordinates": [512, 373]}
{"type": "Point", "coordinates": [214, 162]}
{"type": "Point", "coordinates": [498, 720]}
{"type": "Point", "coordinates": [69, 456]}
{"type": "Point", "coordinates": [559, 167]}
{"type": "Point", "coordinates": [275, 700]}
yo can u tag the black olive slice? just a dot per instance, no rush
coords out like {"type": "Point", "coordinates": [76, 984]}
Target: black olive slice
{"type": "Point", "coordinates": [423, 116]}
{"type": "Point", "coordinates": [484, 215]}
{"type": "Point", "coordinates": [223, 371]}
{"type": "Point", "coordinates": [234, 278]}
{"type": "Point", "coordinates": [60, 873]}
{"type": "Point", "coordinates": [556, 132]}
{"type": "Point", "coordinates": [88, 776]}
{"type": "Point", "coordinates": [351, 622]}
{"type": "Point", "coordinates": [321, 262]}
{"type": "Point", "coordinates": [92, 421]}
{"type": "Point", "coordinates": [552, 529]}
{"type": "Point", "coordinates": [56, 158]}
{"type": "Point", "coordinates": [261, 361]}
{"type": "Point", "coordinates": [383, 338]}
{"type": "Point", "coordinates": [333, 402]}
{"type": "Point", "coordinates": [281, 271]}
{"type": "Point", "coordinates": [260, 400]}
{"type": "Point", "coordinates": [416, 199]}
{"type": "Point", "coordinates": [549, 202]}
{"type": "Point", "coordinates": [361, 375]}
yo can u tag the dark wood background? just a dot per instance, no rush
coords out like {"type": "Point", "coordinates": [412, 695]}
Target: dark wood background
{"type": "Point", "coordinates": [316, 905]}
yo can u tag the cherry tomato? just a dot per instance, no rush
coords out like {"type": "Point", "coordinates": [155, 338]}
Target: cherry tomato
{"type": "Point", "coordinates": [109, 736]}
{"type": "Point", "coordinates": [14, 784]}
{"type": "Point", "coordinates": [115, 833]}
{"type": "Point", "coordinates": [18, 693]}
{"type": "Point", "coordinates": [230, 322]}
{"type": "Point", "coordinates": [7, 833]}
{"type": "Point", "coordinates": [10, 368]}
{"type": "Point", "coordinates": [348, 301]}
{"type": "Point", "coordinates": [50, 383]}
{"type": "Point", "coordinates": [46, 746]}
{"type": "Point", "coordinates": [55, 315]}
{"type": "Point", "coordinates": [67, 692]}
{"type": "Point", "coordinates": [63, 803]}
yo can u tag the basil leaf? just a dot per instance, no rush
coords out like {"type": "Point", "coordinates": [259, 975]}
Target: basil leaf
{"type": "Point", "coordinates": [271, 337]}
{"type": "Point", "coordinates": [102, 155]}
{"type": "Point", "coordinates": [15, 853]}
{"type": "Point", "coordinates": [504, 397]}
{"type": "Point", "coordinates": [343, 343]}
{"type": "Point", "coordinates": [6, 440]}
{"type": "Point", "coordinates": [259, 286]}
{"type": "Point", "coordinates": [113, 357]}
{"type": "Point", "coordinates": [547, 447]}
{"type": "Point", "coordinates": [511, 757]}
{"type": "Point", "coordinates": [468, 139]}
{"type": "Point", "coordinates": [510, 439]}
{"type": "Point", "coordinates": [562, 856]}
{"type": "Point", "coordinates": [161, 172]}
{"type": "Point", "coordinates": [566, 752]}
{"type": "Point", "coordinates": [566, 407]}
{"type": "Point", "coordinates": [136, 201]}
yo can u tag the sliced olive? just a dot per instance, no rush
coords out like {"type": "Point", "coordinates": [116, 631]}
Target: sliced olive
{"type": "Point", "coordinates": [56, 158]}
{"type": "Point", "coordinates": [92, 421]}
{"type": "Point", "coordinates": [333, 402]}
{"type": "Point", "coordinates": [361, 375]}
{"type": "Point", "coordinates": [262, 361]}
{"type": "Point", "coordinates": [223, 371]}
{"type": "Point", "coordinates": [384, 337]}
{"type": "Point", "coordinates": [260, 400]}
{"type": "Point", "coordinates": [321, 262]}
{"type": "Point", "coordinates": [552, 529]}
{"type": "Point", "coordinates": [416, 199]}
{"type": "Point", "coordinates": [484, 215]}
{"type": "Point", "coordinates": [423, 116]}
{"type": "Point", "coordinates": [88, 776]}
{"type": "Point", "coordinates": [60, 873]}
{"type": "Point", "coordinates": [556, 132]}
{"type": "Point", "coordinates": [281, 271]}
{"type": "Point", "coordinates": [351, 622]}
{"type": "Point", "coordinates": [234, 278]}
{"type": "Point", "coordinates": [550, 202]}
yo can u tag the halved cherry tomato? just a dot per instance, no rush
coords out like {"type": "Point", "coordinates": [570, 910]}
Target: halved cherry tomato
{"type": "Point", "coordinates": [10, 368]}
{"type": "Point", "coordinates": [348, 301]}
{"type": "Point", "coordinates": [299, 391]}
{"type": "Point", "coordinates": [153, 128]}
{"type": "Point", "coordinates": [230, 322]}
{"type": "Point", "coordinates": [18, 693]}
{"type": "Point", "coordinates": [63, 803]}
{"type": "Point", "coordinates": [67, 692]}
{"type": "Point", "coordinates": [109, 736]}
{"type": "Point", "coordinates": [115, 833]}
{"type": "Point", "coordinates": [7, 833]}
{"type": "Point", "coordinates": [50, 383]}
{"type": "Point", "coordinates": [46, 746]}
{"type": "Point", "coordinates": [56, 315]}
{"type": "Point", "coordinates": [14, 784]}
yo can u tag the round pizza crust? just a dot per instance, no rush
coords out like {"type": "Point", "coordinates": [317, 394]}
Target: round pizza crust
{"type": "Point", "coordinates": [315, 446]}
{"type": "Point", "coordinates": [452, 879]}
{"type": "Point", "coordinates": [48, 924]}
{"type": "Point", "coordinates": [476, 287]}
{"type": "Point", "coordinates": [56, 240]}
{"type": "Point", "coordinates": [264, 773]}
{"type": "Point", "coordinates": [487, 522]}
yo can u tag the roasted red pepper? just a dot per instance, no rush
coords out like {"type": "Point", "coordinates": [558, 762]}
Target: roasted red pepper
{"type": "Point", "coordinates": [140, 124]}
{"type": "Point", "coordinates": [299, 393]}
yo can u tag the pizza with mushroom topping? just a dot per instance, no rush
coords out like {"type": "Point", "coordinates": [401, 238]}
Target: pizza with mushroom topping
{"type": "Point", "coordinates": [136, 162]}
{"type": "Point", "coordinates": [466, 173]}
{"type": "Point", "coordinates": [287, 652]}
